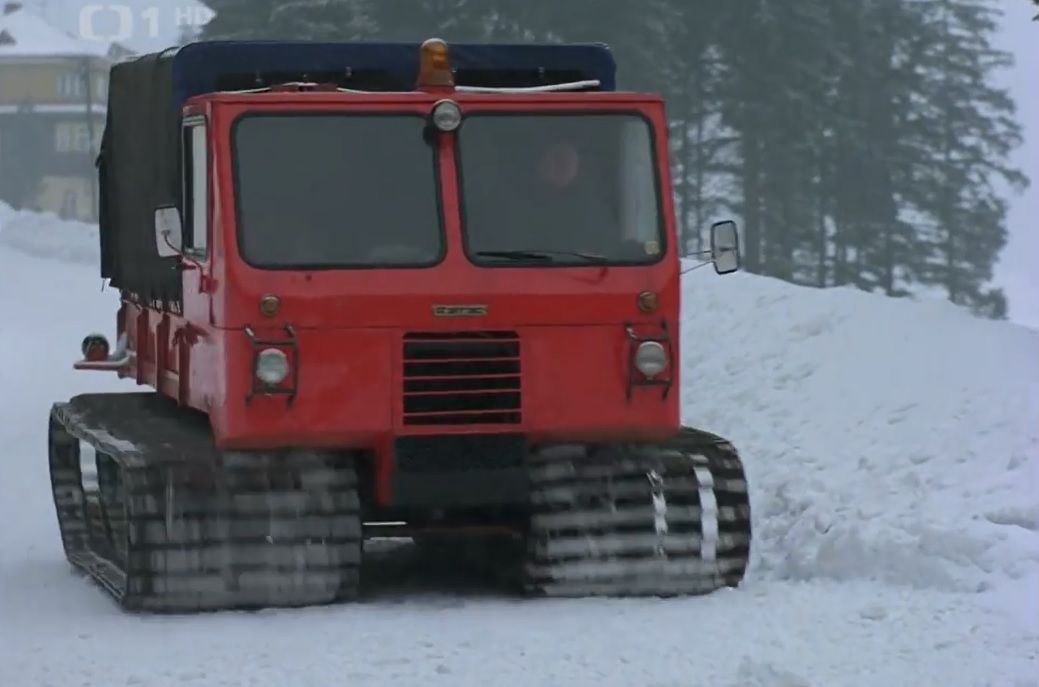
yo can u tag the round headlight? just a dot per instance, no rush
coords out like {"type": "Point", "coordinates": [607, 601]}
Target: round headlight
{"type": "Point", "coordinates": [651, 359]}
{"type": "Point", "coordinates": [272, 366]}
{"type": "Point", "coordinates": [447, 116]}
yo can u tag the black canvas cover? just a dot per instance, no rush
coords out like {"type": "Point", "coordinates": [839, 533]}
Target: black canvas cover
{"type": "Point", "coordinates": [140, 160]}
{"type": "Point", "coordinates": [139, 171]}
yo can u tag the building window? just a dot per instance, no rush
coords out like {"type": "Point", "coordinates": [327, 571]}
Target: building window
{"type": "Point", "coordinates": [70, 85]}
{"type": "Point", "coordinates": [72, 137]}
{"type": "Point", "coordinates": [101, 87]}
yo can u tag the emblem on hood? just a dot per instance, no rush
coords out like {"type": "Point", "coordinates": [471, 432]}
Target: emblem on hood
{"type": "Point", "coordinates": [459, 310]}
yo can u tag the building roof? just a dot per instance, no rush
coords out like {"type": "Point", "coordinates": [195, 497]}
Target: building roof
{"type": "Point", "coordinates": [26, 34]}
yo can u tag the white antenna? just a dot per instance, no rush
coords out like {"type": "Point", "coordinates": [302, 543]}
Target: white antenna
{"type": "Point", "coordinates": [571, 86]}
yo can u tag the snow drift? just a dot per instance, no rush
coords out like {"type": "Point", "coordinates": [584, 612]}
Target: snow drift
{"type": "Point", "coordinates": [45, 235]}
{"type": "Point", "coordinates": [892, 449]}
{"type": "Point", "coordinates": [884, 439]}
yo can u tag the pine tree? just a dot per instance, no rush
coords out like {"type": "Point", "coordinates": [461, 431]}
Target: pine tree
{"type": "Point", "coordinates": [689, 78]}
{"type": "Point", "coordinates": [866, 163]}
{"type": "Point", "coordinates": [239, 19]}
{"type": "Point", "coordinates": [845, 175]}
{"type": "Point", "coordinates": [417, 20]}
{"type": "Point", "coordinates": [774, 57]}
{"type": "Point", "coordinates": [968, 128]}
{"type": "Point", "coordinates": [324, 20]}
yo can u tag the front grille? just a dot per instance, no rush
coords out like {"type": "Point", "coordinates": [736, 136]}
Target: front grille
{"type": "Point", "coordinates": [465, 378]}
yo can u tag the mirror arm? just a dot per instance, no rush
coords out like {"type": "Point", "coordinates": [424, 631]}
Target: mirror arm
{"type": "Point", "coordinates": [695, 267]}
{"type": "Point", "coordinates": [186, 262]}
{"type": "Point", "coordinates": [166, 240]}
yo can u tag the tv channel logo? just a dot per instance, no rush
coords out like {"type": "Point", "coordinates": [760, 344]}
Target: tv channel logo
{"type": "Point", "coordinates": [117, 22]}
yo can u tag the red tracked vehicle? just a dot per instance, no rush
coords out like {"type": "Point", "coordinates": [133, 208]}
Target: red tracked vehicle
{"type": "Point", "coordinates": [372, 284]}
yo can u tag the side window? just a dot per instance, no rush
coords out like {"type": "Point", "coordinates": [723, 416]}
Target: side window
{"type": "Point", "coordinates": [196, 187]}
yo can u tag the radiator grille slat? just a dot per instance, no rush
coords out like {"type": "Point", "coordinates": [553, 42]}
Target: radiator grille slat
{"type": "Point", "coordinates": [462, 378]}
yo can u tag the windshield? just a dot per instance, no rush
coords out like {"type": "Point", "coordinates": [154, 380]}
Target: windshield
{"type": "Point", "coordinates": [334, 190]}
{"type": "Point", "coordinates": [559, 188]}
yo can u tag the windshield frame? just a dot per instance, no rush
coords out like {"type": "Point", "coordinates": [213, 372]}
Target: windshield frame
{"type": "Point", "coordinates": [473, 111]}
{"type": "Point", "coordinates": [421, 117]}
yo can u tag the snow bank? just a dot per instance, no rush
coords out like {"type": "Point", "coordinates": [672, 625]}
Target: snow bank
{"type": "Point", "coordinates": [46, 235]}
{"type": "Point", "coordinates": [885, 439]}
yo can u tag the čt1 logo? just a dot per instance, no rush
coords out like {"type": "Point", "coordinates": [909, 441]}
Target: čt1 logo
{"type": "Point", "coordinates": [115, 22]}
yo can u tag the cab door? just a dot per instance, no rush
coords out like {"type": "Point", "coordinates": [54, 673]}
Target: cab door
{"type": "Point", "coordinates": [187, 338]}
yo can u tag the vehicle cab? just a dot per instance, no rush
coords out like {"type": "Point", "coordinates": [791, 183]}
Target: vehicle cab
{"type": "Point", "coordinates": [489, 249]}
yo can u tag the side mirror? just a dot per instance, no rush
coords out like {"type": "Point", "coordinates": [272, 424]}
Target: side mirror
{"type": "Point", "coordinates": [169, 233]}
{"type": "Point", "coordinates": [725, 247]}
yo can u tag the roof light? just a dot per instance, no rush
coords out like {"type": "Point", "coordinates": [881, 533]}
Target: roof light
{"type": "Point", "coordinates": [435, 65]}
{"type": "Point", "coordinates": [447, 116]}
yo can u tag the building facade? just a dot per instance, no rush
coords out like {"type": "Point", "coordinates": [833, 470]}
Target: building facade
{"type": "Point", "coordinates": [53, 97]}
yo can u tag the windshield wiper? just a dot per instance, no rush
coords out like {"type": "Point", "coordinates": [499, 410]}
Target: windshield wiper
{"type": "Point", "coordinates": [542, 255]}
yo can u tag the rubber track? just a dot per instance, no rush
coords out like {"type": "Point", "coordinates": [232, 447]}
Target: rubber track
{"type": "Point", "coordinates": [639, 520]}
{"type": "Point", "coordinates": [176, 526]}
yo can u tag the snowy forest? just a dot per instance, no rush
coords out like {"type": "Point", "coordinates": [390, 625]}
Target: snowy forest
{"type": "Point", "coordinates": [860, 143]}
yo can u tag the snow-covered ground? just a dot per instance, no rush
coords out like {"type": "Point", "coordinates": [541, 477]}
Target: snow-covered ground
{"type": "Point", "coordinates": [44, 235]}
{"type": "Point", "coordinates": [893, 450]}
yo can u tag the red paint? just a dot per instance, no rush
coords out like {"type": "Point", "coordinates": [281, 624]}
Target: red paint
{"type": "Point", "coordinates": [349, 324]}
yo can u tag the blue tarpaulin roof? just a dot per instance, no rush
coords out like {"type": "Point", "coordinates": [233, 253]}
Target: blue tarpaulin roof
{"type": "Point", "coordinates": [201, 67]}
